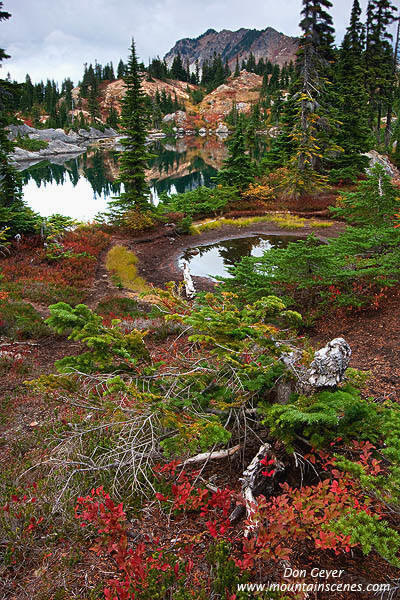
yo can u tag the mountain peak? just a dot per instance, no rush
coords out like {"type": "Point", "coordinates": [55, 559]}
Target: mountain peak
{"type": "Point", "coordinates": [265, 43]}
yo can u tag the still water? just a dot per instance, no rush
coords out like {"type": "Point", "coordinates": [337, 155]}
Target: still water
{"type": "Point", "coordinates": [81, 187]}
{"type": "Point", "coordinates": [214, 259]}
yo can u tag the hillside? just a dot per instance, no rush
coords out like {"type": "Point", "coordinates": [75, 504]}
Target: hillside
{"type": "Point", "coordinates": [112, 92]}
{"type": "Point", "coordinates": [242, 91]}
{"type": "Point", "coordinates": [267, 43]}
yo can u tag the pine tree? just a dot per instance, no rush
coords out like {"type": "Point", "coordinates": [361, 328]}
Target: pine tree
{"type": "Point", "coordinates": [379, 60]}
{"type": "Point", "coordinates": [353, 135]}
{"type": "Point", "coordinates": [134, 159]}
{"type": "Point", "coordinates": [238, 168]}
{"type": "Point", "coordinates": [14, 214]}
{"type": "Point", "coordinates": [121, 69]}
{"type": "Point", "coordinates": [306, 139]}
{"type": "Point", "coordinates": [93, 104]}
{"type": "Point", "coordinates": [313, 123]}
{"type": "Point", "coordinates": [237, 70]}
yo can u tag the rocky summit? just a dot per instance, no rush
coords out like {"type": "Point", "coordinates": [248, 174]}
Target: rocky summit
{"type": "Point", "coordinates": [266, 43]}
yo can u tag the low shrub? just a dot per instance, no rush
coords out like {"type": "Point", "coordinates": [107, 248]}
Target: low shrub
{"type": "Point", "coordinates": [200, 202]}
{"type": "Point", "coordinates": [136, 220]}
{"type": "Point", "coordinates": [118, 307]}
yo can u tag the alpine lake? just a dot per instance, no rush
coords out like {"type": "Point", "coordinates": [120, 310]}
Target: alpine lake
{"type": "Point", "coordinates": [81, 187]}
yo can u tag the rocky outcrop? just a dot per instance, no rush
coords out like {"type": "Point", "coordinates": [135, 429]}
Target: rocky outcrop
{"type": "Point", "coordinates": [59, 142]}
{"type": "Point", "coordinates": [179, 118]}
{"type": "Point", "coordinates": [266, 43]}
{"type": "Point", "coordinates": [240, 92]}
{"type": "Point", "coordinates": [55, 147]}
{"type": "Point", "coordinates": [381, 159]}
{"type": "Point", "coordinates": [111, 93]}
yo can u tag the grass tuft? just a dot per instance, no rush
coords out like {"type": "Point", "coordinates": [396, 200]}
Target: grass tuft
{"type": "Point", "coordinates": [122, 264]}
{"type": "Point", "coordinates": [282, 220]}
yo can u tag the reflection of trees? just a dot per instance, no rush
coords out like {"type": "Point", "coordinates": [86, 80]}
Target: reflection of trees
{"type": "Point", "coordinates": [165, 160]}
{"type": "Point", "coordinates": [232, 251]}
{"type": "Point", "coordinates": [95, 172]}
{"type": "Point", "coordinates": [47, 172]}
{"type": "Point", "coordinates": [186, 183]}
{"type": "Point", "coordinates": [93, 169]}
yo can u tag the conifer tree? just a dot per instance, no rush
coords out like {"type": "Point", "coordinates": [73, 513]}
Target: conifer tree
{"type": "Point", "coordinates": [379, 60]}
{"type": "Point", "coordinates": [238, 168]}
{"type": "Point", "coordinates": [120, 69]}
{"type": "Point", "coordinates": [237, 70]}
{"type": "Point", "coordinates": [134, 159]}
{"type": "Point", "coordinates": [14, 214]}
{"type": "Point", "coordinates": [353, 135]}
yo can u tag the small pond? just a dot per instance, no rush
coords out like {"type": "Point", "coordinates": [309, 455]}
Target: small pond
{"type": "Point", "coordinates": [213, 260]}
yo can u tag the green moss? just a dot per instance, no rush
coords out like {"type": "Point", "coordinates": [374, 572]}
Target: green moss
{"type": "Point", "coordinates": [122, 264]}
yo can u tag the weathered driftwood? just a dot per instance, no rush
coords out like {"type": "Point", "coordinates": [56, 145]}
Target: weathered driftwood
{"type": "Point", "coordinates": [218, 454]}
{"type": "Point", "coordinates": [330, 364]}
{"type": "Point", "coordinates": [327, 369]}
{"type": "Point", "coordinates": [254, 483]}
{"type": "Point", "coordinates": [188, 281]}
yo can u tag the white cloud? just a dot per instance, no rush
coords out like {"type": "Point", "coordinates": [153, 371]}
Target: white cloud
{"type": "Point", "coordinates": [53, 38]}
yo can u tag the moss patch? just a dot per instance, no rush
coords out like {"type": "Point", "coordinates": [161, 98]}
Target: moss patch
{"type": "Point", "coordinates": [122, 264]}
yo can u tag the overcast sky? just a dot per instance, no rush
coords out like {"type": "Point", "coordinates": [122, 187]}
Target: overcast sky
{"type": "Point", "coordinates": [53, 38]}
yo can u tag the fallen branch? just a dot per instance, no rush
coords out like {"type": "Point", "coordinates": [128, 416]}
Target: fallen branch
{"type": "Point", "coordinates": [211, 455]}
{"type": "Point", "coordinates": [188, 281]}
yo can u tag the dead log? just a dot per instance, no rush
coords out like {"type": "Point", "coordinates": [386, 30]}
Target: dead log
{"type": "Point", "coordinates": [218, 454]}
{"type": "Point", "coordinates": [329, 365]}
{"type": "Point", "coordinates": [254, 483]}
{"type": "Point", "coordinates": [188, 281]}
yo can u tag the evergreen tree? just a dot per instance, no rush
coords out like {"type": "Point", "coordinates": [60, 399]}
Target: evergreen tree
{"type": "Point", "coordinates": [313, 64]}
{"type": "Point", "coordinates": [379, 60]}
{"type": "Point", "coordinates": [121, 69]}
{"type": "Point", "coordinates": [237, 70]}
{"type": "Point", "coordinates": [134, 159]}
{"type": "Point", "coordinates": [307, 133]}
{"type": "Point", "coordinates": [113, 118]}
{"type": "Point", "coordinates": [238, 169]}
{"type": "Point", "coordinates": [177, 69]}
{"type": "Point", "coordinates": [14, 214]}
{"type": "Point", "coordinates": [353, 135]}
{"type": "Point", "coordinates": [93, 104]}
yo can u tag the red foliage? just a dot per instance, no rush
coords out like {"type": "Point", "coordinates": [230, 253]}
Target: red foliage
{"type": "Point", "coordinates": [30, 269]}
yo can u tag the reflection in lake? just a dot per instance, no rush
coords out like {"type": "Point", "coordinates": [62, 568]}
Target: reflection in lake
{"type": "Point", "coordinates": [214, 259]}
{"type": "Point", "coordinates": [82, 186]}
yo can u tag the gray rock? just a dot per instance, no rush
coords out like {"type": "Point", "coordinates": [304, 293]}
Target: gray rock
{"type": "Point", "coordinates": [168, 118]}
{"type": "Point", "coordinates": [59, 147]}
{"type": "Point", "coordinates": [376, 158]}
{"type": "Point", "coordinates": [15, 130]}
